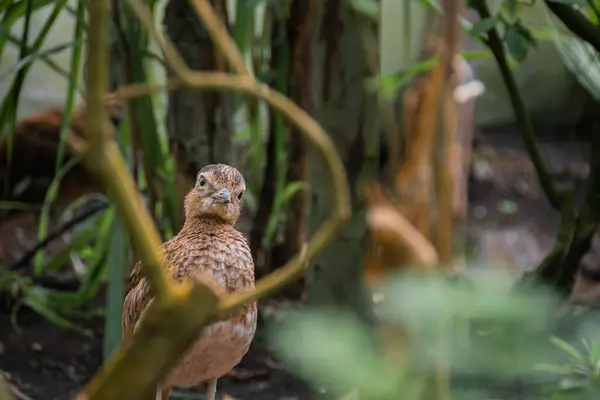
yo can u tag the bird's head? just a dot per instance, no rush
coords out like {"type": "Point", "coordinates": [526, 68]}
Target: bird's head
{"type": "Point", "coordinates": [217, 194]}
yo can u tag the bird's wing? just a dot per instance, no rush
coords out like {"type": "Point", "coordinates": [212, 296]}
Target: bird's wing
{"type": "Point", "coordinates": [135, 302]}
{"type": "Point", "coordinates": [137, 298]}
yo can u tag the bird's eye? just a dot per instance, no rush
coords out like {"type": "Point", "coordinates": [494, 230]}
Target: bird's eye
{"type": "Point", "coordinates": [240, 195]}
{"type": "Point", "coordinates": [201, 182]}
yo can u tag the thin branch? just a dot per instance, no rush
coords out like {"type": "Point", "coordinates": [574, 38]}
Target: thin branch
{"type": "Point", "coordinates": [556, 195]}
{"type": "Point", "coordinates": [171, 55]}
{"type": "Point", "coordinates": [219, 35]}
{"type": "Point", "coordinates": [103, 155]}
{"type": "Point", "coordinates": [28, 256]}
{"type": "Point", "coordinates": [577, 23]}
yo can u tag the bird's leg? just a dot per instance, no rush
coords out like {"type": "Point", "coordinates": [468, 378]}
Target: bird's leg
{"type": "Point", "coordinates": [162, 393]}
{"type": "Point", "coordinates": [165, 394]}
{"type": "Point", "coordinates": [211, 389]}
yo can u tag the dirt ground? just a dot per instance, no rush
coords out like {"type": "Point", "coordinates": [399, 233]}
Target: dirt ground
{"type": "Point", "coordinates": [510, 222]}
{"type": "Point", "coordinates": [45, 362]}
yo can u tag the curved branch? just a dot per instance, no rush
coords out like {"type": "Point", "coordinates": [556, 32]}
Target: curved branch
{"type": "Point", "coordinates": [28, 256]}
{"type": "Point", "coordinates": [315, 134]}
{"type": "Point", "coordinates": [219, 35]}
{"type": "Point", "coordinates": [173, 321]}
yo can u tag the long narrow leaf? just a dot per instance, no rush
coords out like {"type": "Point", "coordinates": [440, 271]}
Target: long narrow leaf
{"type": "Point", "coordinates": [569, 349]}
{"type": "Point", "coordinates": [117, 263]}
{"type": "Point", "coordinates": [73, 82]}
{"type": "Point", "coordinates": [51, 196]}
{"type": "Point", "coordinates": [43, 56]}
{"type": "Point", "coordinates": [35, 298]}
{"type": "Point", "coordinates": [8, 108]}
{"type": "Point", "coordinates": [16, 11]}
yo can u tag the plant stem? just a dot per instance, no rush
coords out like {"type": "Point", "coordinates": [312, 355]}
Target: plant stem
{"type": "Point", "coordinates": [556, 196]}
{"type": "Point", "coordinates": [103, 156]}
{"type": "Point", "coordinates": [577, 22]}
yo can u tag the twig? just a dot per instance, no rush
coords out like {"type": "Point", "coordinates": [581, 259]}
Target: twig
{"type": "Point", "coordinates": [171, 55]}
{"type": "Point", "coordinates": [588, 219]}
{"type": "Point", "coordinates": [218, 34]}
{"type": "Point", "coordinates": [19, 394]}
{"type": "Point", "coordinates": [55, 234]}
{"type": "Point", "coordinates": [104, 157]}
{"type": "Point", "coordinates": [556, 195]}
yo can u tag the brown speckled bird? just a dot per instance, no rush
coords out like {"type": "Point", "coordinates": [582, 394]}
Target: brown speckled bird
{"type": "Point", "coordinates": [207, 243]}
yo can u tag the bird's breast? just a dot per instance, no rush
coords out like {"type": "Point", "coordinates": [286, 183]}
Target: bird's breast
{"type": "Point", "coordinates": [226, 257]}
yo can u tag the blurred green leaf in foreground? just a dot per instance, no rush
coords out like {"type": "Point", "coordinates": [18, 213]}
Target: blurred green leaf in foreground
{"type": "Point", "coordinates": [509, 334]}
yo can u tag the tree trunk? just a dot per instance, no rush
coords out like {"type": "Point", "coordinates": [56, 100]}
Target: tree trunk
{"type": "Point", "coordinates": [192, 124]}
{"type": "Point", "coordinates": [349, 115]}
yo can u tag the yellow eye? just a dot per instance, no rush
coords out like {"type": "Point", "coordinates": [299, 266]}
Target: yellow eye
{"type": "Point", "coordinates": [201, 182]}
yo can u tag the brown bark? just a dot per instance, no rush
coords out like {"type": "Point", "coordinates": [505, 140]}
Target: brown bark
{"type": "Point", "coordinates": [265, 205]}
{"type": "Point", "coordinates": [192, 115]}
{"type": "Point", "coordinates": [300, 34]}
{"type": "Point", "coordinates": [350, 116]}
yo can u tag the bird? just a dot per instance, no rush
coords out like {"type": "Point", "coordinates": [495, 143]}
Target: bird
{"type": "Point", "coordinates": [208, 243]}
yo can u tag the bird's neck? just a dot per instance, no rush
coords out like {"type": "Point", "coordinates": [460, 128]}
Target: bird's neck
{"type": "Point", "coordinates": [204, 225]}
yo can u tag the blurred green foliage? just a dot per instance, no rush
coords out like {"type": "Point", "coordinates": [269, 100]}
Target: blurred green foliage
{"type": "Point", "coordinates": [508, 351]}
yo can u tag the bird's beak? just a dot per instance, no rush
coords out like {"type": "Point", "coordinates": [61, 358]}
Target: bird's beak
{"type": "Point", "coordinates": [222, 196]}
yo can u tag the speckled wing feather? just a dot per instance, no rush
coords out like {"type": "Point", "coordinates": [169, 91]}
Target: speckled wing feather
{"type": "Point", "coordinates": [223, 254]}
{"type": "Point", "coordinates": [138, 295]}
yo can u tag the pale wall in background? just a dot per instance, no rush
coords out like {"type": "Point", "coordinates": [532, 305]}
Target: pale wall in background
{"type": "Point", "coordinates": [43, 87]}
{"type": "Point", "coordinates": [545, 82]}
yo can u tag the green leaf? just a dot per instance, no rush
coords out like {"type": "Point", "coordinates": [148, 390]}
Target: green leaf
{"type": "Point", "coordinates": [76, 56]}
{"type": "Point", "coordinates": [554, 369]}
{"type": "Point", "coordinates": [593, 356]}
{"type": "Point", "coordinates": [571, 2]}
{"type": "Point", "coordinates": [16, 11]}
{"type": "Point", "coordinates": [145, 130]}
{"type": "Point", "coordinates": [507, 207]}
{"type": "Point", "coordinates": [569, 349]}
{"type": "Point", "coordinates": [281, 200]}
{"type": "Point", "coordinates": [482, 26]}
{"type": "Point", "coordinates": [8, 108]}
{"type": "Point", "coordinates": [368, 8]}
{"type": "Point", "coordinates": [289, 191]}
{"type": "Point", "coordinates": [518, 41]}
{"type": "Point", "coordinates": [51, 195]}
{"type": "Point", "coordinates": [36, 299]}
{"type": "Point", "coordinates": [59, 259]}
{"type": "Point", "coordinates": [43, 57]}
{"type": "Point", "coordinates": [117, 263]}
{"type": "Point", "coordinates": [511, 11]}
{"type": "Point", "coordinates": [15, 205]}
{"type": "Point", "coordinates": [324, 346]}
{"type": "Point", "coordinates": [388, 85]}
{"type": "Point", "coordinates": [39, 55]}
